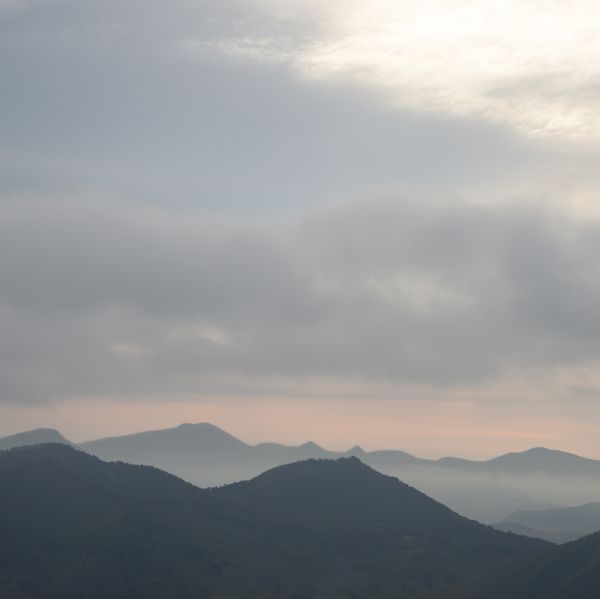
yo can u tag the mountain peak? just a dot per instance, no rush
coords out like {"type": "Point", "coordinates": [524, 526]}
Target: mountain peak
{"type": "Point", "coordinates": [540, 455]}
{"type": "Point", "coordinates": [310, 445]}
{"type": "Point", "coordinates": [187, 442]}
{"type": "Point", "coordinates": [199, 426]}
{"type": "Point", "coordinates": [36, 436]}
{"type": "Point", "coordinates": [545, 451]}
{"type": "Point", "coordinates": [347, 489]}
{"type": "Point", "coordinates": [327, 471]}
{"type": "Point", "coordinates": [538, 452]}
{"type": "Point", "coordinates": [356, 451]}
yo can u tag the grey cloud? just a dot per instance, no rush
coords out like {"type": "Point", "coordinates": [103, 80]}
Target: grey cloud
{"type": "Point", "coordinates": [102, 99]}
{"type": "Point", "coordinates": [162, 220]}
{"type": "Point", "coordinates": [120, 300]}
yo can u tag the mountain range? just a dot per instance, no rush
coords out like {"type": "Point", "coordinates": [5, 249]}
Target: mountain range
{"type": "Point", "coordinates": [197, 438]}
{"type": "Point", "coordinates": [487, 491]}
{"type": "Point", "coordinates": [74, 526]}
{"type": "Point", "coordinates": [557, 525]}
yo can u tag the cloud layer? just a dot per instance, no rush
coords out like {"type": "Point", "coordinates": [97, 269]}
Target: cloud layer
{"type": "Point", "coordinates": [129, 101]}
{"type": "Point", "coordinates": [118, 300]}
{"type": "Point", "coordinates": [210, 196]}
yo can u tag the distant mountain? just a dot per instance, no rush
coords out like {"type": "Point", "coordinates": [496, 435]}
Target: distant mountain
{"type": "Point", "coordinates": [207, 437]}
{"type": "Point", "coordinates": [185, 438]}
{"type": "Point", "coordinates": [204, 437]}
{"type": "Point", "coordinates": [197, 440]}
{"type": "Point", "coordinates": [74, 526]}
{"type": "Point", "coordinates": [531, 461]}
{"type": "Point", "coordinates": [392, 458]}
{"type": "Point", "coordinates": [564, 524]}
{"type": "Point", "coordinates": [34, 437]}
{"type": "Point", "coordinates": [200, 453]}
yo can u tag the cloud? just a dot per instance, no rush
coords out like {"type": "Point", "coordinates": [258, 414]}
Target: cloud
{"type": "Point", "coordinates": [122, 300]}
{"type": "Point", "coordinates": [186, 208]}
{"type": "Point", "coordinates": [467, 57]}
{"type": "Point", "coordinates": [123, 99]}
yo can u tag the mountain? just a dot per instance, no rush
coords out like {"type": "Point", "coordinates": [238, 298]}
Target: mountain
{"type": "Point", "coordinates": [200, 453]}
{"type": "Point", "coordinates": [176, 448]}
{"type": "Point", "coordinates": [34, 437]}
{"type": "Point", "coordinates": [74, 526]}
{"type": "Point", "coordinates": [184, 439]}
{"type": "Point", "coordinates": [207, 437]}
{"type": "Point", "coordinates": [565, 524]}
{"type": "Point", "coordinates": [391, 458]}
{"type": "Point", "coordinates": [488, 491]}
{"type": "Point", "coordinates": [569, 571]}
{"type": "Point", "coordinates": [350, 489]}
{"type": "Point", "coordinates": [531, 461]}
{"type": "Point", "coordinates": [192, 440]}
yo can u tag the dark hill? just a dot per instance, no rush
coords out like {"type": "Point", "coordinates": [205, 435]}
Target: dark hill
{"type": "Point", "coordinates": [348, 488]}
{"type": "Point", "coordinates": [569, 571]}
{"type": "Point", "coordinates": [75, 527]}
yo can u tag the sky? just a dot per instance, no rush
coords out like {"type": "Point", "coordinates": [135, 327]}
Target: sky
{"type": "Point", "coordinates": [350, 222]}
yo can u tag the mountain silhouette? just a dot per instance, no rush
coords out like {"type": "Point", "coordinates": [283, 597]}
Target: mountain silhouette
{"type": "Point", "coordinates": [350, 489]}
{"type": "Point", "coordinates": [33, 437]}
{"type": "Point", "coordinates": [560, 524]}
{"type": "Point", "coordinates": [569, 571]}
{"type": "Point", "coordinates": [536, 459]}
{"type": "Point", "coordinates": [200, 453]}
{"type": "Point", "coordinates": [75, 526]}
{"type": "Point", "coordinates": [145, 447]}
{"type": "Point", "coordinates": [184, 438]}
{"type": "Point", "coordinates": [487, 491]}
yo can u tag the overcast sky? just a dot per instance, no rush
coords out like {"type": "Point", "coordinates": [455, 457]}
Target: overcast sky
{"type": "Point", "coordinates": [357, 222]}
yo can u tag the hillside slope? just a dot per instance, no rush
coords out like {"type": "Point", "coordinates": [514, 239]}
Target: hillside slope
{"type": "Point", "coordinates": [76, 527]}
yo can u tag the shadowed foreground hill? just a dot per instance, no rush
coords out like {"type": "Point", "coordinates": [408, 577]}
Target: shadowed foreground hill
{"type": "Point", "coordinates": [569, 571]}
{"type": "Point", "coordinates": [76, 527]}
{"type": "Point", "coordinates": [350, 490]}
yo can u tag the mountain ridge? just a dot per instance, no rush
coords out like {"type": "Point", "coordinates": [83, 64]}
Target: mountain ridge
{"type": "Point", "coordinates": [558, 524]}
{"type": "Point", "coordinates": [138, 531]}
{"type": "Point", "coordinates": [33, 437]}
{"type": "Point", "coordinates": [206, 427]}
{"type": "Point", "coordinates": [486, 490]}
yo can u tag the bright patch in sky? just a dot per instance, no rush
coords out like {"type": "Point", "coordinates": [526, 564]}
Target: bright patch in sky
{"type": "Point", "coordinates": [535, 64]}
